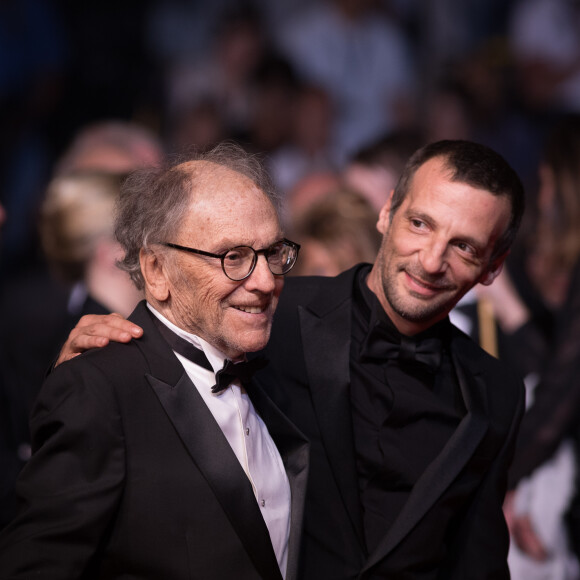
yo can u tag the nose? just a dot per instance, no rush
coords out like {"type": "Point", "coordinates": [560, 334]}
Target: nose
{"type": "Point", "coordinates": [261, 279]}
{"type": "Point", "coordinates": [433, 257]}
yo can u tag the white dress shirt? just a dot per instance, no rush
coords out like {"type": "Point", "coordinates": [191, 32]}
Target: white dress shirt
{"type": "Point", "coordinates": [248, 437]}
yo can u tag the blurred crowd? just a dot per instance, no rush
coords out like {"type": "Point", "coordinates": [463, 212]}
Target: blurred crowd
{"type": "Point", "coordinates": [335, 95]}
{"type": "Point", "coordinates": [308, 84]}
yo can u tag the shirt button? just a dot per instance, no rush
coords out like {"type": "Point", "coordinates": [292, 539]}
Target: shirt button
{"type": "Point", "coordinates": [247, 431]}
{"type": "Point", "coordinates": [263, 503]}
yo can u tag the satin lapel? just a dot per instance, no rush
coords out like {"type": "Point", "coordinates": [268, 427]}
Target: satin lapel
{"type": "Point", "coordinates": [294, 450]}
{"type": "Point", "coordinates": [441, 473]}
{"type": "Point", "coordinates": [207, 446]}
{"type": "Point", "coordinates": [325, 330]}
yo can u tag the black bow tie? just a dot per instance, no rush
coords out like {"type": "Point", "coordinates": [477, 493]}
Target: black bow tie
{"type": "Point", "coordinates": [242, 371]}
{"type": "Point", "coordinates": [378, 345]}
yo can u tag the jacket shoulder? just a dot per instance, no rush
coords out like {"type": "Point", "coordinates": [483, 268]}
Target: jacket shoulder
{"type": "Point", "coordinates": [324, 291]}
{"type": "Point", "coordinates": [504, 385]}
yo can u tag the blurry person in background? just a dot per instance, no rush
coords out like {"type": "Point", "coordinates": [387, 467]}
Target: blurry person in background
{"type": "Point", "coordinates": [274, 86]}
{"type": "Point", "coordinates": [37, 299]}
{"type": "Point", "coordinates": [200, 126]}
{"type": "Point", "coordinates": [544, 38]}
{"type": "Point", "coordinates": [335, 233]}
{"type": "Point", "coordinates": [372, 172]}
{"type": "Point", "coordinates": [307, 190]}
{"type": "Point", "coordinates": [447, 113]}
{"type": "Point", "coordinates": [77, 274]}
{"type": "Point", "coordinates": [309, 146]}
{"type": "Point", "coordinates": [76, 231]}
{"type": "Point", "coordinates": [111, 145]}
{"type": "Point", "coordinates": [224, 75]}
{"type": "Point", "coordinates": [361, 55]}
{"type": "Point", "coordinates": [536, 303]}
{"type": "Point", "coordinates": [375, 169]}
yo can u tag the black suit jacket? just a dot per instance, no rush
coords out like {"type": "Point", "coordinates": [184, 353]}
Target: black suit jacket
{"type": "Point", "coordinates": [24, 360]}
{"type": "Point", "coordinates": [131, 477]}
{"type": "Point", "coordinates": [452, 525]}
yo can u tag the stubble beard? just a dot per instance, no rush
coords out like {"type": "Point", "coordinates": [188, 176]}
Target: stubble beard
{"type": "Point", "coordinates": [414, 309]}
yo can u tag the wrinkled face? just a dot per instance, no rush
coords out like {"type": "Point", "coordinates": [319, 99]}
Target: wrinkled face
{"type": "Point", "coordinates": [437, 246]}
{"type": "Point", "coordinates": [235, 317]}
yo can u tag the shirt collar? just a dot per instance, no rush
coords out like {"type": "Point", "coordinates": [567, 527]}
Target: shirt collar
{"type": "Point", "coordinates": [215, 357]}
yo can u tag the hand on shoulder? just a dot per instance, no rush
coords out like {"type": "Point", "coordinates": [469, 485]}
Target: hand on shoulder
{"type": "Point", "coordinates": [96, 330]}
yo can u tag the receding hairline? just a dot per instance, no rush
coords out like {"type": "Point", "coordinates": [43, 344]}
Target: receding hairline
{"type": "Point", "coordinates": [204, 175]}
{"type": "Point", "coordinates": [199, 167]}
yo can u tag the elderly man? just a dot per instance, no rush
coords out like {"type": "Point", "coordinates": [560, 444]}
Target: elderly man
{"type": "Point", "coordinates": [412, 426]}
{"type": "Point", "coordinates": [151, 461]}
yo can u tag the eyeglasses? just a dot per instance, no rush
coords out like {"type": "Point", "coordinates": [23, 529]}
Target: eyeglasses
{"type": "Point", "coordinates": [239, 262]}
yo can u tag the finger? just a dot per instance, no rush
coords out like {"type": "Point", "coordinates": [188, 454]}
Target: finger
{"type": "Point", "coordinates": [100, 334]}
{"type": "Point", "coordinates": [77, 344]}
{"type": "Point", "coordinates": [95, 331]}
{"type": "Point", "coordinates": [108, 325]}
{"type": "Point", "coordinates": [104, 324]}
{"type": "Point", "coordinates": [527, 540]}
{"type": "Point", "coordinates": [63, 357]}
{"type": "Point", "coordinates": [121, 333]}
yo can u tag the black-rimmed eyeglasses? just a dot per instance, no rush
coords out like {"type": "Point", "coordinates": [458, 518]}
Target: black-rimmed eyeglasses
{"type": "Point", "coordinates": [239, 262]}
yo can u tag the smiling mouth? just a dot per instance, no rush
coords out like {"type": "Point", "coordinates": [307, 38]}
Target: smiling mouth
{"type": "Point", "coordinates": [427, 285]}
{"type": "Point", "coordinates": [251, 309]}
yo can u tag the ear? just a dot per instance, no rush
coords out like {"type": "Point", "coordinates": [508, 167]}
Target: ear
{"type": "Point", "coordinates": [493, 271]}
{"type": "Point", "coordinates": [155, 274]}
{"type": "Point", "coordinates": [384, 215]}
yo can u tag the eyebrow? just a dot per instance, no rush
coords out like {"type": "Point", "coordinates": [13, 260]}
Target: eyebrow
{"type": "Point", "coordinates": [228, 245]}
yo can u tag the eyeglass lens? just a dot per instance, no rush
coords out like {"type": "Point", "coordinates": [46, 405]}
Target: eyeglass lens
{"type": "Point", "coordinates": [239, 262]}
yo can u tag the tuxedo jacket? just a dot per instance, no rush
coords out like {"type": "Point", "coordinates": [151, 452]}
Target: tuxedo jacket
{"type": "Point", "coordinates": [452, 525]}
{"type": "Point", "coordinates": [132, 478]}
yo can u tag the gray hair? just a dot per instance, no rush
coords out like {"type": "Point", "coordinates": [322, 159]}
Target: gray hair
{"type": "Point", "coordinates": [155, 201]}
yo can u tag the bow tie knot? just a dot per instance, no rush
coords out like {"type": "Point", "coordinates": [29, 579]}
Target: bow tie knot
{"type": "Point", "coordinates": [426, 351]}
{"type": "Point", "coordinates": [242, 371]}
{"type": "Point", "coordinates": [379, 346]}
